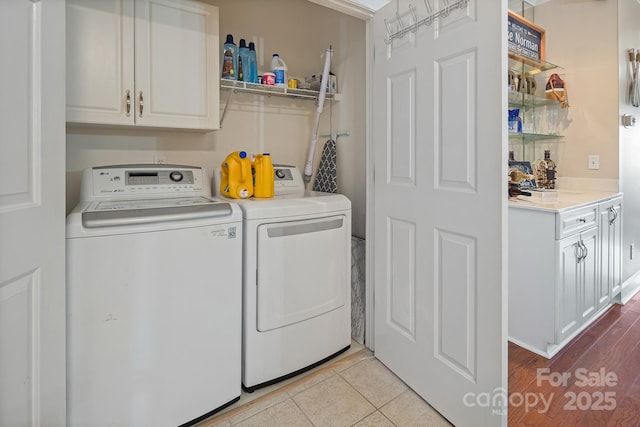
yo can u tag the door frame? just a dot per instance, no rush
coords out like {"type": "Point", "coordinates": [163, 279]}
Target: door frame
{"type": "Point", "coordinates": [366, 14]}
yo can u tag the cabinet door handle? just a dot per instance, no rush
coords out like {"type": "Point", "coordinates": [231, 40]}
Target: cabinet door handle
{"type": "Point", "coordinates": [580, 251]}
{"type": "Point", "coordinates": [128, 103]}
{"type": "Point", "coordinates": [141, 103]}
{"type": "Point", "coordinates": [615, 215]}
{"type": "Point", "coordinates": [585, 251]}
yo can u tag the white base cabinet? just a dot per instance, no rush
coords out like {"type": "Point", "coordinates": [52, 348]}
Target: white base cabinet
{"type": "Point", "coordinates": [610, 224]}
{"type": "Point", "coordinates": [151, 63]}
{"type": "Point", "coordinates": [577, 284]}
{"type": "Point", "coordinates": [564, 270]}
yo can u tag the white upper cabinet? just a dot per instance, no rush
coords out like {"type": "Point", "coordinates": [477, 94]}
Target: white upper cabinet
{"type": "Point", "coordinates": [150, 63]}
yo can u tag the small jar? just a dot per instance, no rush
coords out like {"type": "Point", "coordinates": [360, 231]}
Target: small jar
{"type": "Point", "coordinates": [269, 79]}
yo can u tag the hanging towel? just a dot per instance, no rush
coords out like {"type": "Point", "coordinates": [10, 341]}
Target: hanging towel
{"type": "Point", "coordinates": [326, 176]}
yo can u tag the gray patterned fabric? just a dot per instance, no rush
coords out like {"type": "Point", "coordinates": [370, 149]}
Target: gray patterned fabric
{"type": "Point", "coordinates": [326, 176]}
{"type": "Point", "coordinates": [358, 290]}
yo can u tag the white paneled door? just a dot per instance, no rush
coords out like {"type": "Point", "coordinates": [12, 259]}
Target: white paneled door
{"type": "Point", "coordinates": [440, 206]}
{"type": "Point", "coordinates": [32, 213]}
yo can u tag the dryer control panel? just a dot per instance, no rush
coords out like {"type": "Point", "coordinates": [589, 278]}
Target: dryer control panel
{"type": "Point", "coordinates": [287, 179]}
{"type": "Point", "coordinates": [145, 181]}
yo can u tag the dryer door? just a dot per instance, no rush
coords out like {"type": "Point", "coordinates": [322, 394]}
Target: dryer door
{"type": "Point", "coordinates": [303, 270]}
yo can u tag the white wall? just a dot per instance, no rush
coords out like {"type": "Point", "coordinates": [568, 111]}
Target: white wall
{"type": "Point", "coordinates": [582, 38]}
{"type": "Point", "coordinates": [300, 31]}
{"type": "Point", "coordinates": [590, 39]}
{"type": "Point", "coordinates": [629, 139]}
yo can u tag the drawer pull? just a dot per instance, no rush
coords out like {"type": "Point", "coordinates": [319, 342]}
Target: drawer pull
{"type": "Point", "coordinates": [583, 220]}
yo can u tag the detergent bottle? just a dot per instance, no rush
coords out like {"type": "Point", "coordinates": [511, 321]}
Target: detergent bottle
{"type": "Point", "coordinates": [253, 64]}
{"type": "Point", "coordinates": [279, 68]}
{"type": "Point", "coordinates": [236, 180]}
{"type": "Point", "coordinates": [230, 59]}
{"type": "Point", "coordinates": [263, 176]}
{"type": "Point", "coordinates": [243, 61]}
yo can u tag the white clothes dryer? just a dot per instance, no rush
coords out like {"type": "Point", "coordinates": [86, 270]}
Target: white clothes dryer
{"type": "Point", "coordinates": [153, 298]}
{"type": "Point", "coordinates": [296, 280]}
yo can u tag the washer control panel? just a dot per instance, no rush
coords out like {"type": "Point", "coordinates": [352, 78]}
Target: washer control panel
{"type": "Point", "coordinates": [143, 181]}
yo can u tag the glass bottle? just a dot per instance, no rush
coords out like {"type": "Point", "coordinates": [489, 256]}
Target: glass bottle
{"type": "Point", "coordinates": [540, 171]}
{"type": "Point", "coordinates": [550, 167]}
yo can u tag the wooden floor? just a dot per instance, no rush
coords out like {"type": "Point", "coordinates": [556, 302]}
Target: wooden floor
{"type": "Point", "coordinates": [594, 381]}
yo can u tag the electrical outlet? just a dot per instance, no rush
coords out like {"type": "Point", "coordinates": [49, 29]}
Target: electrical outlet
{"type": "Point", "coordinates": [594, 161]}
{"type": "Point", "coordinates": [160, 158]}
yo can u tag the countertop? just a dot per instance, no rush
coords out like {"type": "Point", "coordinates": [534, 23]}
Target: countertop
{"type": "Point", "coordinates": [567, 199]}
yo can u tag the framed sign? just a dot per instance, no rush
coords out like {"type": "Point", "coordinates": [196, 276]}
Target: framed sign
{"type": "Point", "coordinates": [525, 40]}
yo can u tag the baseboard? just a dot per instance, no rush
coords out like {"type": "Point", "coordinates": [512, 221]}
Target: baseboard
{"type": "Point", "coordinates": [553, 349]}
{"type": "Point", "coordinates": [630, 288]}
{"type": "Point", "coordinates": [530, 348]}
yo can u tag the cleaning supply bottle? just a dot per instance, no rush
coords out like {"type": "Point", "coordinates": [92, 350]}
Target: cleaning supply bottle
{"type": "Point", "coordinates": [230, 59]}
{"type": "Point", "coordinates": [253, 63]}
{"type": "Point", "coordinates": [236, 180]}
{"type": "Point", "coordinates": [243, 61]}
{"type": "Point", "coordinates": [279, 68]}
{"type": "Point", "coordinates": [263, 176]}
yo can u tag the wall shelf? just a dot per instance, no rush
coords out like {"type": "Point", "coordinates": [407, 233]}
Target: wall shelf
{"type": "Point", "coordinates": [516, 137]}
{"type": "Point", "coordinates": [283, 91]}
{"type": "Point", "coordinates": [520, 66]}
{"type": "Point", "coordinates": [534, 110]}
{"type": "Point", "coordinates": [526, 100]}
{"type": "Point", "coordinates": [234, 86]}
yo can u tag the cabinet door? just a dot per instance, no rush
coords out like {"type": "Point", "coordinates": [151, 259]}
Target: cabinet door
{"type": "Point", "coordinates": [610, 246]}
{"type": "Point", "coordinates": [569, 252]}
{"type": "Point", "coordinates": [603, 290]}
{"type": "Point", "coordinates": [176, 64]}
{"type": "Point", "coordinates": [99, 42]}
{"type": "Point", "coordinates": [588, 275]}
{"type": "Point", "coordinates": [615, 247]}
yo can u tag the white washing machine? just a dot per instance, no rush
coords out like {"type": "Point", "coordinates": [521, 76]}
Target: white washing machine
{"type": "Point", "coordinates": [296, 280]}
{"type": "Point", "coordinates": [153, 298]}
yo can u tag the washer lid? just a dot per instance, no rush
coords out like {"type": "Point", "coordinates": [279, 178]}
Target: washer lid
{"type": "Point", "coordinates": [308, 203]}
{"type": "Point", "coordinates": [113, 213]}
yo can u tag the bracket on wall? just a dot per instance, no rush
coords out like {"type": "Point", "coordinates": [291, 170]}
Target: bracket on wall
{"type": "Point", "coordinates": [628, 120]}
{"type": "Point", "coordinates": [335, 135]}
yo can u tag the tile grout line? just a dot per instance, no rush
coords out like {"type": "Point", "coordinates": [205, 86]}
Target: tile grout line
{"type": "Point", "coordinates": [282, 390]}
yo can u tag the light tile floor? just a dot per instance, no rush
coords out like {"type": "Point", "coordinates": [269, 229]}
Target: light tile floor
{"type": "Point", "coordinates": [357, 390]}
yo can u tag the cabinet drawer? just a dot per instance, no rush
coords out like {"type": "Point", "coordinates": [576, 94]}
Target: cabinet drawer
{"type": "Point", "coordinates": [576, 220]}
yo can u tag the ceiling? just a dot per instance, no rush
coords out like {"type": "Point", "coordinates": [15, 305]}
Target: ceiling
{"type": "Point", "coordinates": [371, 4]}
{"type": "Point", "coordinates": [374, 5]}
{"type": "Point", "coordinates": [362, 8]}
{"type": "Point", "coordinates": [536, 2]}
